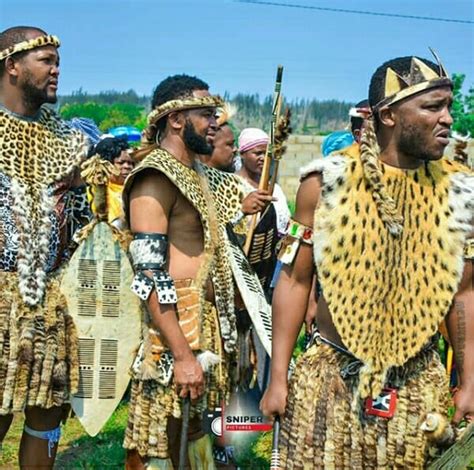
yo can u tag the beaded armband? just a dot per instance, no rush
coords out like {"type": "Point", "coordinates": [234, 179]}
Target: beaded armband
{"type": "Point", "coordinates": [296, 234]}
{"type": "Point", "coordinates": [469, 249]}
{"type": "Point", "coordinates": [149, 253]}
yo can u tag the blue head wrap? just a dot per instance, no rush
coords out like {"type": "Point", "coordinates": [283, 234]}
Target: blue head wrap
{"type": "Point", "coordinates": [336, 141]}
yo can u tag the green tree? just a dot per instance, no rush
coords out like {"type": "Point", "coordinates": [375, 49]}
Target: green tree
{"type": "Point", "coordinates": [463, 107]}
{"type": "Point", "coordinates": [122, 114]}
{"type": "Point", "coordinates": [97, 112]}
{"type": "Point", "coordinates": [106, 115]}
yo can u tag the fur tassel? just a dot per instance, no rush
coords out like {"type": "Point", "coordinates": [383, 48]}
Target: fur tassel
{"type": "Point", "coordinates": [60, 379]}
{"type": "Point", "coordinates": [282, 132]}
{"type": "Point", "coordinates": [208, 359]}
{"type": "Point", "coordinates": [226, 113]}
{"type": "Point", "coordinates": [438, 429]}
{"type": "Point", "coordinates": [72, 353]}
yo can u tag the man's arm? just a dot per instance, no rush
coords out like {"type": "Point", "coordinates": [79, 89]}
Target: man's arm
{"type": "Point", "coordinates": [460, 322]}
{"type": "Point", "coordinates": [151, 200]}
{"type": "Point", "coordinates": [290, 301]}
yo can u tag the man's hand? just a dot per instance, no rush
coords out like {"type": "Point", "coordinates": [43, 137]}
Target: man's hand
{"type": "Point", "coordinates": [189, 377]}
{"type": "Point", "coordinates": [464, 402]}
{"type": "Point", "coordinates": [274, 399]}
{"type": "Point", "coordinates": [256, 201]}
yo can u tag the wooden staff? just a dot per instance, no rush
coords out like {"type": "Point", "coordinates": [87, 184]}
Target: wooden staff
{"type": "Point", "coordinates": [275, 459]}
{"type": "Point", "coordinates": [269, 162]}
{"type": "Point", "coordinates": [183, 445]}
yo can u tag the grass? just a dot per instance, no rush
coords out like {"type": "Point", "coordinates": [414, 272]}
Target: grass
{"type": "Point", "coordinates": [77, 450]}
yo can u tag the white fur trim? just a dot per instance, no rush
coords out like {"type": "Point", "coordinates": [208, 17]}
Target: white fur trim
{"type": "Point", "coordinates": [207, 359]}
{"type": "Point", "coordinates": [332, 169]}
{"type": "Point", "coordinates": [327, 166]}
{"type": "Point", "coordinates": [461, 200]}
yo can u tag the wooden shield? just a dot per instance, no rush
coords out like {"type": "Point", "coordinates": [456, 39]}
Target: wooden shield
{"type": "Point", "coordinates": [107, 315]}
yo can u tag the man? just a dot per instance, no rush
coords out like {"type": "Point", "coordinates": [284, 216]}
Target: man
{"type": "Point", "coordinates": [183, 274]}
{"type": "Point", "coordinates": [390, 227]}
{"type": "Point", "coordinates": [358, 114]}
{"type": "Point", "coordinates": [224, 152]}
{"type": "Point", "coordinates": [39, 155]}
{"type": "Point", "coordinates": [223, 158]}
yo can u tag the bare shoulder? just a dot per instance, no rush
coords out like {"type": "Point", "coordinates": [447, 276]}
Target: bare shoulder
{"type": "Point", "coordinates": [307, 198]}
{"type": "Point", "coordinates": [152, 183]}
{"type": "Point", "coordinates": [152, 197]}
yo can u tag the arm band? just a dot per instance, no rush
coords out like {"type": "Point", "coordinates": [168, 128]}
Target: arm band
{"type": "Point", "coordinates": [296, 234]}
{"type": "Point", "coordinates": [149, 252]}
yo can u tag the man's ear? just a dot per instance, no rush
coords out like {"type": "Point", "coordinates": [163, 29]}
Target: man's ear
{"type": "Point", "coordinates": [11, 67]}
{"type": "Point", "coordinates": [176, 120]}
{"type": "Point", "coordinates": [387, 116]}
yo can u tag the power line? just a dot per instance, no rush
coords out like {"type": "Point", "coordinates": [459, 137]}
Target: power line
{"type": "Point", "coordinates": [356, 12]}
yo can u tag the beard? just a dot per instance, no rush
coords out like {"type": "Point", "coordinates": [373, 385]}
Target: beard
{"type": "Point", "coordinates": [414, 143]}
{"type": "Point", "coordinates": [35, 96]}
{"type": "Point", "coordinates": [195, 142]}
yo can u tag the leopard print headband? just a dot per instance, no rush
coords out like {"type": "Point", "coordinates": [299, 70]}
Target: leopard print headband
{"type": "Point", "coordinates": [40, 41]}
{"type": "Point", "coordinates": [180, 105]}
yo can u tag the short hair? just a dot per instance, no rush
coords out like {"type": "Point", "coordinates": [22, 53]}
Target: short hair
{"type": "Point", "coordinates": [356, 122]}
{"type": "Point", "coordinates": [400, 65]}
{"type": "Point", "coordinates": [11, 36]}
{"type": "Point", "coordinates": [110, 148]}
{"type": "Point", "coordinates": [173, 88]}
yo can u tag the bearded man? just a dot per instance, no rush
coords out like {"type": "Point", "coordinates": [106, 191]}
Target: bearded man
{"type": "Point", "coordinates": [39, 156]}
{"type": "Point", "coordinates": [392, 245]}
{"type": "Point", "coordinates": [177, 209]}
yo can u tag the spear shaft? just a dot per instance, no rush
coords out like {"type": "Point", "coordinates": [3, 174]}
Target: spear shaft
{"type": "Point", "coordinates": [269, 163]}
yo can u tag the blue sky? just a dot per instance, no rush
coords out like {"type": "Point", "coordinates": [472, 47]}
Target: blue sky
{"type": "Point", "coordinates": [235, 47]}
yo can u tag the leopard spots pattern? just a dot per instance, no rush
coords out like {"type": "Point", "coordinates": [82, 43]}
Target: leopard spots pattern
{"type": "Point", "coordinates": [9, 234]}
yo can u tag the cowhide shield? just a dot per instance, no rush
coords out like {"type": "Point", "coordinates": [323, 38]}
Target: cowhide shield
{"type": "Point", "coordinates": [96, 284]}
{"type": "Point", "coordinates": [250, 289]}
{"type": "Point", "coordinates": [262, 253]}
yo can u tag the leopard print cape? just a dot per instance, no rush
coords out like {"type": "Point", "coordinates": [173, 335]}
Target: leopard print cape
{"type": "Point", "coordinates": [388, 295]}
{"type": "Point", "coordinates": [216, 196]}
{"type": "Point", "coordinates": [35, 156]}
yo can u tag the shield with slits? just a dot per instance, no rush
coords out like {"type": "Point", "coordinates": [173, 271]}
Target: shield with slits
{"type": "Point", "coordinates": [259, 310]}
{"type": "Point", "coordinates": [96, 284]}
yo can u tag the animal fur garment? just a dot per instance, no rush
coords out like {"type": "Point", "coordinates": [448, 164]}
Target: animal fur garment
{"type": "Point", "coordinates": [325, 426]}
{"type": "Point", "coordinates": [216, 197]}
{"type": "Point", "coordinates": [35, 155]}
{"type": "Point", "coordinates": [38, 349]}
{"type": "Point", "coordinates": [151, 403]}
{"type": "Point", "coordinates": [401, 284]}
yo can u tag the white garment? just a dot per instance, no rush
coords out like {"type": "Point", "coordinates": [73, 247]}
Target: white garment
{"type": "Point", "coordinates": [281, 209]}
